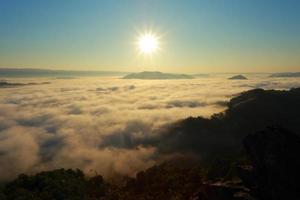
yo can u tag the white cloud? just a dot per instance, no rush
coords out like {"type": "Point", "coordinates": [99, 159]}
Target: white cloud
{"type": "Point", "coordinates": [102, 124]}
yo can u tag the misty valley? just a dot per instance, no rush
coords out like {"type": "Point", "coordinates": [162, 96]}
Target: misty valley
{"type": "Point", "coordinates": [111, 138]}
{"type": "Point", "coordinates": [149, 100]}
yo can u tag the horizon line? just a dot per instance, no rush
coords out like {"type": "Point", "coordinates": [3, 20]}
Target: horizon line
{"type": "Point", "coordinates": [120, 71]}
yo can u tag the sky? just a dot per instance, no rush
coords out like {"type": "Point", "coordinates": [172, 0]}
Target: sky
{"type": "Point", "coordinates": [196, 36]}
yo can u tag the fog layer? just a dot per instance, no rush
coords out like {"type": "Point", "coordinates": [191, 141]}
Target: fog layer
{"type": "Point", "coordinates": [104, 125]}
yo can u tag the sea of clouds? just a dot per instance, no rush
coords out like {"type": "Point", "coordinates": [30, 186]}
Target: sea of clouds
{"type": "Point", "coordinates": [99, 124]}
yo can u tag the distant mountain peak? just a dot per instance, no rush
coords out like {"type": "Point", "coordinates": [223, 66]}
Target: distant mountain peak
{"type": "Point", "coordinates": [238, 77]}
{"type": "Point", "coordinates": [156, 75]}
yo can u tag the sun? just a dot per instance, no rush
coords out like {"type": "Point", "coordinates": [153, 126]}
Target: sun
{"type": "Point", "coordinates": [148, 43]}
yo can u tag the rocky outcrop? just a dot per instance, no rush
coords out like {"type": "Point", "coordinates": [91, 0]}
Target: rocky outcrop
{"type": "Point", "coordinates": [275, 173]}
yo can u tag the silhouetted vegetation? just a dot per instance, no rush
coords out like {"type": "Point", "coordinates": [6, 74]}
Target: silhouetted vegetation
{"type": "Point", "coordinates": [222, 134]}
{"type": "Point", "coordinates": [58, 184]}
{"type": "Point", "coordinates": [270, 173]}
{"type": "Point", "coordinates": [267, 168]}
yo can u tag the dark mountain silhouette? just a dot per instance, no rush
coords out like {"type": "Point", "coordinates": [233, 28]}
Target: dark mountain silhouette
{"type": "Point", "coordinates": [156, 75]}
{"type": "Point", "coordinates": [238, 77]}
{"type": "Point", "coordinates": [4, 84]}
{"type": "Point", "coordinates": [271, 173]}
{"type": "Point", "coordinates": [223, 132]}
{"type": "Point", "coordinates": [246, 113]}
{"type": "Point", "coordinates": [274, 172]}
{"type": "Point", "coordinates": [267, 168]}
{"type": "Point", "coordinates": [25, 72]}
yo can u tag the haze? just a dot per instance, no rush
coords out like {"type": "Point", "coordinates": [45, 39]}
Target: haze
{"type": "Point", "coordinates": [149, 99]}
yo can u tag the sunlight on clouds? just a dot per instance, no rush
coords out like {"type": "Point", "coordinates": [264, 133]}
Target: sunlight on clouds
{"type": "Point", "coordinates": [80, 123]}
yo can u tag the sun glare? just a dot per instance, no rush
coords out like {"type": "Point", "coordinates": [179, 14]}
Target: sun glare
{"type": "Point", "coordinates": [148, 43]}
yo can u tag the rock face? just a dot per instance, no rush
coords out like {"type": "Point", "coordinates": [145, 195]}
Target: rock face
{"type": "Point", "coordinates": [156, 76]}
{"type": "Point", "coordinates": [238, 77]}
{"type": "Point", "coordinates": [274, 154]}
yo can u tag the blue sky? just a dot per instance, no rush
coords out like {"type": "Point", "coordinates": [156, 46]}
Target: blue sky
{"type": "Point", "coordinates": [196, 35]}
